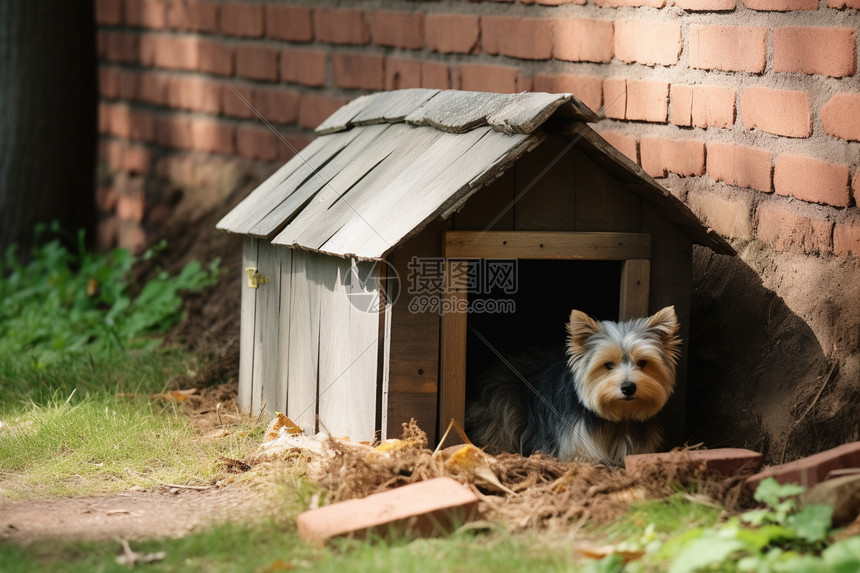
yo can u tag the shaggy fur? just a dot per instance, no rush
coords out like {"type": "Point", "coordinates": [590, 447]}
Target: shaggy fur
{"type": "Point", "coordinates": [593, 400]}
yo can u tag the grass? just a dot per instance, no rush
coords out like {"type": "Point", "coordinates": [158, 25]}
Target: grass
{"type": "Point", "coordinates": [67, 429]}
{"type": "Point", "coordinates": [271, 546]}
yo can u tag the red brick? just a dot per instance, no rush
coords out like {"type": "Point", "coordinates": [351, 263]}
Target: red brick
{"type": "Point", "coordinates": [153, 87]}
{"type": "Point", "coordinates": [703, 106]}
{"type": "Point", "coordinates": [402, 73]}
{"type": "Point", "coordinates": [257, 143]}
{"type": "Point", "coordinates": [292, 23]}
{"type": "Point", "coordinates": [236, 100]}
{"type": "Point", "coordinates": [846, 239]}
{"type": "Point", "coordinates": [195, 93]}
{"type": "Point", "coordinates": [177, 15]}
{"type": "Point", "coordinates": [212, 136]}
{"type": "Point", "coordinates": [813, 469]}
{"type": "Point", "coordinates": [359, 71]}
{"type": "Point", "coordinates": [257, 62]}
{"type": "Point", "coordinates": [787, 230]}
{"type": "Point", "coordinates": [137, 159]}
{"type": "Point", "coordinates": [524, 38]}
{"type": "Point", "coordinates": [314, 108]}
{"type": "Point", "coordinates": [705, 5]}
{"type": "Point", "coordinates": [108, 82]}
{"type": "Point", "coordinates": [170, 52]}
{"type": "Point", "coordinates": [202, 16]}
{"type": "Point", "coordinates": [485, 78]}
{"type": "Point", "coordinates": [341, 26]}
{"type": "Point", "coordinates": [626, 144]}
{"type": "Point", "coordinates": [841, 116]}
{"type": "Point", "coordinates": [244, 20]}
{"type": "Point", "coordinates": [615, 98]}
{"type": "Point", "coordinates": [588, 89]}
{"type": "Point", "coordinates": [525, 83]}
{"type": "Point", "coordinates": [173, 131]}
{"type": "Point", "coordinates": [728, 216]}
{"type": "Point", "coordinates": [216, 57]}
{"type": "Point", "coordinates": [452, 33]}
{"type": "Point", "coordinates": [307, 67]}
{"type": "Point", "coordinates": [781, 112]}
{"type": "Point", "coordinates": [277, 105]}
{"type": "Point", "coordinates": [681, 109]}
{"type": "Point", "coordinates": [421, 508]}
{"type": "Point", "coordinates": [128, 85]}
{"type": "Point", "coordinates": [781, 5]}
{"type": "Point", "coordinates": [636, 3]}
{"type": "Point", "coordinates": [552, 2]}
{"type": "Point", "coordinates": [662, 156]}
{"type": "Point", "coordinates": [121, 47]}
{"type": "Point", "coordinates": [142, 126]}
{"type": "Point", "coordinates": [109, 12]}
{"type": "Point", "coordinates": [648, 42]}
{"type": "Point", "coordinates": [435, 75]}
{"type": "Point", "coordinates": [647, 101]}
{"type": "Point", "coordinates": [811, 180]}
{"type": "Point", "coordinates": [811, 50]}
{"type": "Point", "coordinates": [728, 48]}
{"type": "Point", "coordinates": [740, 166]}
{"type": "Point", "coordinates": [397, 29]}
{"type": "Point", "coordinates": [578, 40]}
{"type": "Point", "coordinates": [724, 461]}
{"type": "Point", "coordinates": [146, 13]}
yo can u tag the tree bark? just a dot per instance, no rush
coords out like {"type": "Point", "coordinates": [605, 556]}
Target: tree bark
{"type": "Point", "coordinates": [47, 117]}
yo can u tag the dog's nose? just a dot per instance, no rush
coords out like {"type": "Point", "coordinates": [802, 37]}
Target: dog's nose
{"type": "Point", "coordinates": [628, 388]}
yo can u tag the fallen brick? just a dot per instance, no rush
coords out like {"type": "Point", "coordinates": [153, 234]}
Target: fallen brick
{"type": "Point", "coordinates": [724, 461]}
{"type": "Point", "coordinates": [423, 508]}
{"type": "Point", "coordinates": [813, 469]}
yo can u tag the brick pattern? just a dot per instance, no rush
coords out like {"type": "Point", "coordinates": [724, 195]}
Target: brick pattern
{"type": "Point", "coordinates": [754, 98]}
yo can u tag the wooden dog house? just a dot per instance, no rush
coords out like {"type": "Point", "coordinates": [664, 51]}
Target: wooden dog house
{"type": "Point", "coordinates": [443, 179]}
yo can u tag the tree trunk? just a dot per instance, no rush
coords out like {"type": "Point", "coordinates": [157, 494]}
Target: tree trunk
{"type": "Point", "coordinates": [47, 117]}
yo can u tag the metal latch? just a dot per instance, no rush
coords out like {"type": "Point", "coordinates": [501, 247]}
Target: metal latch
{"type": "Point", "coordinates": [255, 278]}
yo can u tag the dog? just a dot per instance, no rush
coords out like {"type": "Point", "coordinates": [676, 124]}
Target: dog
{"type": "Point", "coordinates": [593, 400]}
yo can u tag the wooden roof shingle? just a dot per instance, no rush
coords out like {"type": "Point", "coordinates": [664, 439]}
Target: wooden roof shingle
{"type": "Point", "coordinates": [387, 164]}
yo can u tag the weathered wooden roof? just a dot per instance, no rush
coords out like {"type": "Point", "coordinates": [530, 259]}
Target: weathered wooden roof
{"type": "Point", "coordinates": [387, 164]}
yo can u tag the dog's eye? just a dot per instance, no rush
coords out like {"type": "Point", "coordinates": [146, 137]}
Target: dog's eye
{"type": "Point", "coordinates": [609, 365]}
{"type": "Point", "coordinates": [642, 363]}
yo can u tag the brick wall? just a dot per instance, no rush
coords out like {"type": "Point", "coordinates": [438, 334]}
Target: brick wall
{"type": "Point", "coordinates": [748, 109]}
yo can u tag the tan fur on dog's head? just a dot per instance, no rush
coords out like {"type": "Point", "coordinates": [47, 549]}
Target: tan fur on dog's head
{"type": "Point", "coordinates": [626, 370]}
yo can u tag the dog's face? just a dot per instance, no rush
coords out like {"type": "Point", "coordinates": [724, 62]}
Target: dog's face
{"type": "Point", "coordinates": [624, 371]}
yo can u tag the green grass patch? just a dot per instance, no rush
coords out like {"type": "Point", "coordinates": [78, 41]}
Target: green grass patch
{"type": "Point", "coordinates": [271, 546]}
{"type": "Point", "coordinates": [72, 434]}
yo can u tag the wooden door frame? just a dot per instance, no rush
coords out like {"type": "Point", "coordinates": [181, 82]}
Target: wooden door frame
{"type": "Point", "coordinates": [633, 249]}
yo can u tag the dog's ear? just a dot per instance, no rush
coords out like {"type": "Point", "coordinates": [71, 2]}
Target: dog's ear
{"type": "Point", "coordinates": [665, 323]}
{"type": "Point", "coordinates": [579, 329]}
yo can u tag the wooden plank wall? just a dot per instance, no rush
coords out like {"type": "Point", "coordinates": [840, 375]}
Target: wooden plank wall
{"type": "Point", "coordinates": [304, 341]}
{"type": "Point", "coordinates": [348, 349]}
{"type": "Point", "coordinates": [414, 343]}
{"type": "Point", "coordinates": [246, 333]}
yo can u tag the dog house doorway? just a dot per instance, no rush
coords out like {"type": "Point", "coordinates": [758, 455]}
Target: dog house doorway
{"type": "Point", "coordinates": [620, 257]}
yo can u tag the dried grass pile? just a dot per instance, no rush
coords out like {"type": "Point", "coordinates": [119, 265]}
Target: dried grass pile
{"type": "Point", "coordinates": [524, 492]}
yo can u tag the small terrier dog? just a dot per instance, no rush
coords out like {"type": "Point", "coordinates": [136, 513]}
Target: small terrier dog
{"type": "Point", "coordinates": [592, 401]}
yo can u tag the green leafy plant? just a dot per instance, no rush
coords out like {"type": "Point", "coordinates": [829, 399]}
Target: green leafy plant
{"type": "Point", "coordinates": [777, 538]}
{"type": "Point", "coordinates": [66, 302]}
